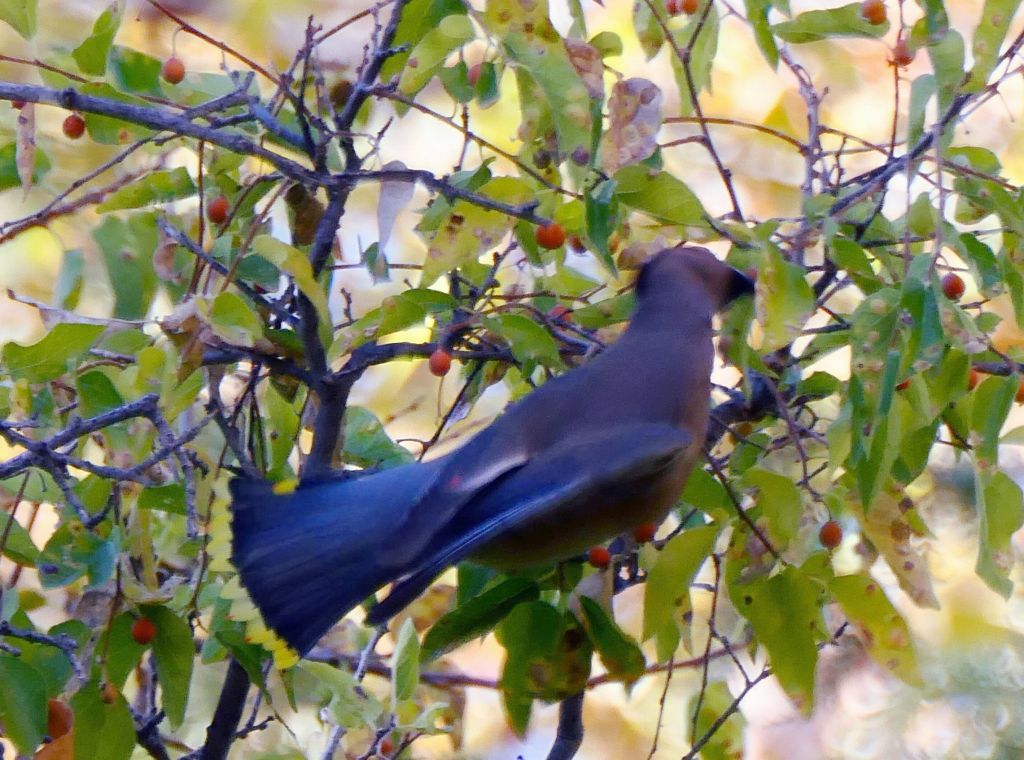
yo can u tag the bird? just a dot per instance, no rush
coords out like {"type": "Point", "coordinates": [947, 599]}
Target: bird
{"type": "Point", "coordinates": [589, 455]}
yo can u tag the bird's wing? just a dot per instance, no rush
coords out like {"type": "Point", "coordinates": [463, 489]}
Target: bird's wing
{"type": "Point", "coordinates": [492, 454]}
{"type": "Point", "coordinates": [565, 474]}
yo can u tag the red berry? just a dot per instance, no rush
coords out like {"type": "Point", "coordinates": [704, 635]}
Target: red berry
{"type": "Point", "coordinates": [644, 533]}
{"type": "Point", "coordinates": [953, 286]}
{"type": "Point", "coordinates": [904, 385]}
{"type": "Point", "coordinates": [974, 379]}
{"type": "Point", "coordinates": [1019, 397]}
{"type": "Point", "coordinates": [473, 75]}
{"type": "Point", "coordinates": [672, 7]}
{"type": "Point", "coordinates": [143, 630]}
{"type": "Point", "coordinates": [217, 210]}
{"type": "Point", "coordinates": [689, 6]}
{"type": "Point", "coordinates": [19, 104]}
{"type": "Point", "coordinates": [873, 11]}
{"type": "Point", "coordinates": [173, 70]}
{"type": "Point", "coordinates": [550, 235]}
{"type": "Point", "coordinates": [74, 126]}
{"type": "Point", "coordinates": [440, 362]}
{"type": "Point", "coordinates": [386, 746]}
{"type": "Point", "coordinates": [902, 55]}
{"type": "Point", "coordinates": [831, 534]}
{"type": "Point", "coordinates": [599, 557]}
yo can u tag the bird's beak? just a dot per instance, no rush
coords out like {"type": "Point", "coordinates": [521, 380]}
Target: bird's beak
{"type": "Point", "coordinates": [739, 285]}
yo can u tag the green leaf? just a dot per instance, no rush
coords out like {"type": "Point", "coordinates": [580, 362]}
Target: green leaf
{"type": "Point", "coordinates": [167, 498]}
{"type": "Point", "coordinates": [602, 216]}
{"type": "Point", "coordinates": [127, 246]}
{"type": "Point", "coordinates": [659, 195]}
{"type": "Point", "coordinates": [131, 71]}
{"type": "Point", "coordinates": [102, 731]}
{"type": "Point", "coordinates": [784, 613]}
{"type": "Point", "coordinates": [22, 703]}
{"type": "Point", "coordinates": [283, 428]}
{"type": "Point", "coordinates": [887, 638]}
{"type": "Point", "coordinates": [405, 673]}
{"type": "Point", "coordinates": [784, 299]}
{"type": "Point", "coordinates": [757, 17]}
{"type": "Point", "coordinates": [173, 652]}
{"type": "Point", "coordinates": [988, 38]}
{"type": "Point", "coordinates": [418, 18]}
{"type": "Point", "coordinates": [157, 187]}
{"type": "Point", "coordinates": [779, 501]}
{"type": "Point", "coordinates": [430, 53]}
{"type": "Point", "coordinates": [548, 658]}
{"type": "Point", "coordinates": [292, 261]}
{"type": "Point", "coordinates": [667, 591]}
{"type": "Point", "coordinates": [21, 15]}
{"type": "Point", "coordinates": [477, 615]}
{"type": "Point", "coordinates": [367, 443]}
{"type": "Point", "coordinates": [649, 32]}
{"type": "Point", "coordinates": [9, 167]}
{"type": "Point", "coordinates": [19, 546]}
{"type": "Point", "coordinates": [51, 663]}
{"type": "Point", "coordinates": [528, 340]}
{"type": "Point", "coordinates": [123, 652]}
{"type": "Point", "coordinates": [947, 57]}
{"type": "Point", "coordinates": [233, 319]}
{"type": "Point", "coordinates": [96, 393]}
{"type": "Point", "coordinates": [619, 653]}
{"type": "Point", "coordinates": [468, 230]}
{"type": "Point", "coordinates": [91, 55]}
{"type": "Point", "coordinates": [68, 288]}
{"type": "Point", "coordinates": [349, 705]}
{"type": "Point", "coordinates": [49, 358]}
{"type": "Point", "coordinates": [1000, 513]}
{"type": "Point", "coordinates": [531, 41]}
{"type": "Point", "coordinates": [992, 402]}
{"type": "Point", "coordinates": [814, 26]}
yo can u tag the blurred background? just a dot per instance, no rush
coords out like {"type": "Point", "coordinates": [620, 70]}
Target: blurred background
{"type": "Point", "coordinates": [972, 647]}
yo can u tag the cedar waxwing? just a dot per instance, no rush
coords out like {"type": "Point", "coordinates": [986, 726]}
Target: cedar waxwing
{"type": "Point", "coordinates": [589, 455]}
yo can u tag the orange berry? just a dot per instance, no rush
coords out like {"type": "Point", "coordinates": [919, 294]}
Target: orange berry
{"type": "Point", "coordinates": [689, 6]}
{"type": "Point", "coordinates": [902, 55]}
{"type": "Point", "coordinates": [74, 126]}
{"type": "Point", "coordinates": [440, 362]}
{"type": "Point", "coordinates": [473, 75]}
{"type": "Point", "coordinates": [1020, 393]}
{"type": "Point", "coordinates": [173, 70]}
{"type": "Point", "coordinates": [873, 11]}
{"type": "Point", "coordinates": [974, 379]}
{"type": "Point", "coordinates": [108, 693]}
{"type": "Point", "coordinates": [831, 534]}
{"type": "Point", "coordinates": [953, 286]}
{"type": "Point", "coordinates": [143, 631]}
{"type": "Point", "coordinates": [558, 312]}
{"type": "Point", "coordinates": [217, 210]}
{"type": "Point", "coordinates": [59, 718]}
{"type": "Point", "coordinates": [550, 235]}
{"type": "Point", "coordinates": [644, 533]}
{"type": "Point", "coordinates": [599, 557]}
{"type": "Point", "coordinates": [386, 746]}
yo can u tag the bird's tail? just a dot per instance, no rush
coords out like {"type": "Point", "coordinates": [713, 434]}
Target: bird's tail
{"type": "Point", "coordinates": [308, 557]}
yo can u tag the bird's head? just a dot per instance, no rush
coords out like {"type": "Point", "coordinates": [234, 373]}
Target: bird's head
{"type": "Point", "coordinates": [673, 272]}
